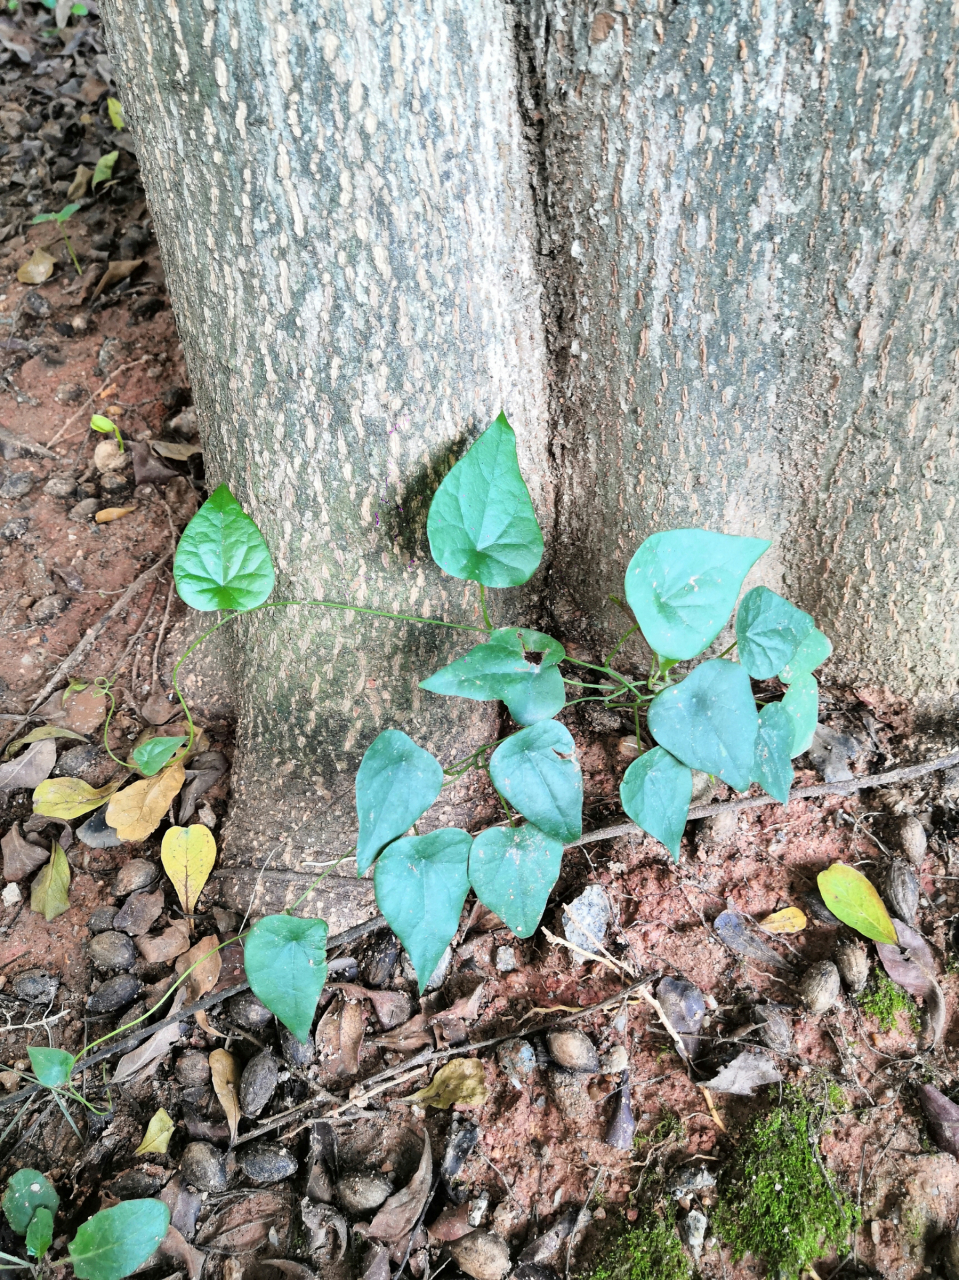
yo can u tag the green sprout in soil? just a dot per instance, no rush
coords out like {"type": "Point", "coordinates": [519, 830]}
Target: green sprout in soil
{"type": "Point", "coordinates": [885, 999]}
{"type": "Point", "coordinates": [669, 1125]}
{"type": "Point", "coordinates": [650, 1250]}
{"type": "Point", "coordinates": [777, 1202]}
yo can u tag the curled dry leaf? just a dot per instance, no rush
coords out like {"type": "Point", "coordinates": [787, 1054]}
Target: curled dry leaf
{"type": "Point", "coordinates": [70, 798]}
{"type": "Point", "coordinates": [37, 268]}
{"type": "Point", "coordinates": [789, 920]}
{"type": "Point", "coordinates": [50, 893]}
{"type": "Point", "coordinates": [156, 1140]}
{"type": "Point", "coordinates": [744, 1074]}
{"type": "Point", "coordinates": [171, 449]}
{"type": "Point", "coordinates": [188, 855]}
{"type": "Point", "coordinates": [39, 734]}
{"type": "Point", "coordinates": [399, 1214]}
{"type": "Point", "coordinates": [30, 769]}
{"type": "Point", "coordinates": [411, 1035]}
{"type": "Point", "coordinates": [392, 1008]}
{"type": "Point", "coordinates": [208, 961]}
{"type": "Point", "coordinates": [622, 1126]}
{"type": "Point", "coordinates": [735, 932]}
{"type": "Point", "coordinates": [207, 768]}
{"type": "Point", "coordinates": [226, 1079]}
{"type": "Point", "coordinates": [166, 946]}
{"type": "Point", "coordinates": [151, 1051]}
{"type": "Point", "coordinates": [138, 810]}
{"type": "Point", "coordinates": [461, 1080]}
{"type": "Point", "coordinates": [915, 969]}
{"type": "Point", "coordinates": [20, 857]}
{"type": "Point", "coordinates": [37, 822]}
{"type": "Point", "coordinates": [116, 271]}
{"type": "Point", "coordinates": [943, 1117]}
{"type": "Point", "coordinates": [685, 1007]}
{"type": "Point", "coordinates": [109, 514]}
{"type": "Point", "coordinates": [175, 1246]}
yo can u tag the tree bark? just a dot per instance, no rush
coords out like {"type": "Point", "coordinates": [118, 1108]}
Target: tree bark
{"type": "Point", "coordinates": [342, 203]}
{"type": "Point", "coordinates": [752, 216]}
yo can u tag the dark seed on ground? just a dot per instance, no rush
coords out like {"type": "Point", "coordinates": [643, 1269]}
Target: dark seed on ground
{"type": "Point", "coordinates": [112, 950]}
{"type": "Point", "coordinates": [35, 986]}
{"type": "Point", "coordinates": [116, 993]}
{"type": "Point", "coordinates": [296, 1054]}
{"type": "Point", "coordinates": [266, 1162]}
{"type": "Point", "coordinates": [246, 1011]}
{"type": "Point", "coordinates": [133, 875]}
{"type": "Point", "coordinates": [102, 919]}
{"type": "Point", "coordinates": [258, 1083]}
{"type": "Point", "coordinates": [203, 1166]}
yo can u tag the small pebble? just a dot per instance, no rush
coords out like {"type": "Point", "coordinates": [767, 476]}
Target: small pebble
{"type": "Point", "coordinates": [17, 485]}
{"type": "Point", "coordinates": [85, 509]}
{"type": "Point", "coordinates": [588, 918]}
{"type": "Point", "coordinates": [258, 1083]}
{"type": "Point", "coordinates": [616, 1060]}
{"type": "Point", "coordinates": [518, 1060]}
{"type": "Point", "coordinates": [97, 833]}
{"type": "Point", "coordinates": [48, 608]}
{"type": "Point", "coordinates": [116, 993]}
{"type": "Point", "coordinates": [266, 1162]}
{"type": "Point", "coordinates": [361, 1193]}
{"type": "Point", "coordinates": [35, 986]}
{"type": "Point", "coordinates": [505, 959]}
{"type": "Point", "coordinates": [482, 1255]}
{"type": "Point", "coordinates": [15, 529]}
{"type": "Point", "coordinates": [140, 912]}
{"type": "Point", "coordinates": [203, 1166]}
{"type": "Point", "coordinates": [88, 762]}
{"type": "Point", "coordinates": [296, 1054]}
{"type": "Point", "coordinates": [438, 976]}
{"type": "Point", "coordinates": [102, 919]}
{"type": "Point", "coordinates": [692, 1231]}
{"type": "Point", "coordinates": [136, 873]}
{"type": "Point", "coordinates": [112, 951]}
{"type": "Point", "coordinates": [63, 486]}
{"type": "Point", "coordinates": [192, 1069]}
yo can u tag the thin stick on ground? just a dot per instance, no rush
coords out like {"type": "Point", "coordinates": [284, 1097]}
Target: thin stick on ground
{"type": "Point", "coordinates": [92, 398]}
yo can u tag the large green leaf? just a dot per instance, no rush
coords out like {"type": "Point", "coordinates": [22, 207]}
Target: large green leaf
{"type": "Point", "coordinates": [52, 1067]}
{"type": "Point", "coordinates": [285, 962]}
{"type": "Point", "coordinates": [709, 721]}
{"type": "Point", "coordinates": [538, 773]}
{"type": "Point", "coordinates": [481, 523]}
{"type": "Point", "coordinates": [421, 884]}
{"type": "Point", "coordinates": [769, 631]}
{"type": "Point", "coordinates": [853, 900]}
{"type": "Point", "coordinates": [682, 586]}
{"type": "Point", "coordinates": [515, 664]}
{"type": "Point", "coordinates": [655, 792]}
{"type": "Point", "coordinates": [153, 754]}
{"type": "Point", "coordinates": [222, 561]}
{"type": "Point", "coordinates": [114, 1242]}
{"type": "Point", "coordinates": [801, 703]}
{"type": "Point", "coordinates": [26, 1192]}
{"type": "Point", "coordinates": [812, 653]}
{"type": "Point", "coordinates": [396, 783]}
{"type": "Point", "coordinates": [773, 767]}
{"type": "Point", "coordinates": [513, 870]}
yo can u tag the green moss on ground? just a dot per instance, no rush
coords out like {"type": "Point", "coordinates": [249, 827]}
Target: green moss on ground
{"type": "Point", "coordinates": [884, 999]}
{"type": "Point", "coordinates": [649, 1250]}
{"type": "Point", "coordinates": [776, 1202]}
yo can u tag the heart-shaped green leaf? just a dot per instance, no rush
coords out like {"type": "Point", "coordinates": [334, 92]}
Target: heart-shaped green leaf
{"type": "Point", "coordinates": [513, 870]}
{"type": "Point", "coordinates": [655, 792]}
{"type": "Point", "coordinates": [396, 783]}
{"type": "Point", "coordinates": [709, 721]}
{"type": "Point", "coordinates": [481, 523]}
{"type": "Point", "coordinates": [285, 962]}
{"type": "Point", "coordinates": [40, 1232]}
{"type": "Point", "coordinates": [682, 586]}
{"type": "Point", "coordinates": [515, 664]}
{"type": "Point", "coordinates": [538, 773]}
{"type": "Point", "coordinates": [812, 653]}
{"type": "Point", "coordinates": [222, 561]}
{"type": "Point", "coordinates": [52, 1067]}
{"type": "Point", "coordinates": [853, 900]}
{"type": "Point", "coordinates": [801, 703]}
{"type": "Point", "coordinates": [153, 754]}
{"type": "Point", "coordinates": [773, 767]}
{"type": "Point", "coordinates": [421, 884]}
{"type": "Point", "coordinates": [769, 631]}
{"type": "Point", "coordinates": [26, 1192]}
{"type": "Point", "coordinates": [114, 1242]}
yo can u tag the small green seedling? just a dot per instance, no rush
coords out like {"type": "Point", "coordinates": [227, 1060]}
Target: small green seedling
{"type": "Point", "coordinates": [103, 170]}
{"type": "Point", "coordinates": [60, 218]}
{"type": "Point", "coordinates": [106, 427]}
{"type": "Point", "coordinates": [108, 1246]}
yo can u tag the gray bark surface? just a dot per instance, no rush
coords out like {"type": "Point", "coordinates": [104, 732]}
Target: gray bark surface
{"type": "Point", "coordinates": [706, 257]}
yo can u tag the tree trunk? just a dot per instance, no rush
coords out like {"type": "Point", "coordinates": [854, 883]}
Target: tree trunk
{"type": "Point", "coordinates": [753, 220]}
{"type": "Point", "coordinates": [705, 258]}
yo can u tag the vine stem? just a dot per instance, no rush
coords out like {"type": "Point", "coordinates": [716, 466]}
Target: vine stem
{"type": "Point", "coordinates": [489, 625]}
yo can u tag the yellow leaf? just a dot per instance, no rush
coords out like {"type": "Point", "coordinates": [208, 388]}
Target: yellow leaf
{"type": "Point", "coordinates": [789, 920]}
{"type": "Point", "coordinates": [226, 1077]}
{"type": "Point", "coordinates": [38, 268]}
{"type": "Point", "coordinates": [50, 895]}
{"type": "Point", "coordinates": [116, 119]}
{"type": "Point", "coordinates": [138, 810]}
{"type": "Point", "coordinates": [463, 1080]}
{"type": "Point", "coordinates": [208, 960]}
{"type": "Point", "coordinates": [156, 1140]}
{"type": "Point", "coordinates": [188, 855]}
{"type": "Point", "coordinates": [69, 797]}
{"type": "Point", "coordinates": [850, 896]}
{"type": "Point", "coordinates": [112, 513]}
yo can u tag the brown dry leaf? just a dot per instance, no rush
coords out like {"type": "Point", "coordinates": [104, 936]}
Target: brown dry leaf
{"type": "Point", "coordinates": [210, 766]}
{"type": "Point", "coordinates": [226, 1078]}
{"type": "Point", "coordinates": [174, 1246]}
{"type": "Point", "coordinates": [30, 769]}
{"type": "Point", "coordinates": [115, 272]}
{"type": "Point", "coordinates": [158, 709]}
{"type": "Point", "coordinates": [207, 972]}
{"type": "Point", "coordinates": [452, 1223]}
{"type": "Point", "coordinates": [244, 1225]}
{"type": "Point", "coordinates": [156, 1140]}
{"type": "Point", "coordinates": [80, 184]}
{"type": "Point", "coordinates": [399, 1214]}
{"type": "Point", "coordinates": [461, 1080]}
{"type": "Point", "coordinates": [411, 1035]}
{"type": "Point", "coordinates": [351, 1038]}
{"type": "Point", "coordinates": [138, 810]}
{"type": "Point", "coordinates": [914, 968]}
{"type": "Point", "coordinates": [36, 822]}
{"type": "Point", "coordinates": [178, 452]}
{"type": "Point", "coordinates": [188, 855]}
{"type": "Point", "coordinates": [112, 513]}
{"type": "Point", "coordinates": [392, 1007]}
{"type": "Point", "coordinates": [37, 268]}
{"type": "Point", "coordinates": [139, 913]}
{"type": "Point", "coordinates": [147, 1055]}
{"type": "Point", "coordinates": [789, 920]}
{"type": "Point", "coordinates": [166, 946]}
{"type": "Point", "coordinates": [20, 857]}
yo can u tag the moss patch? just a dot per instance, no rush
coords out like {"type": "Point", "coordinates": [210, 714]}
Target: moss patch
{"type": "Point", "coordinates": [884, 999]}
{"type": "Point", "coordinates": [650, 1250]}
{"type": "Point", "coordinates": [776, 1202]}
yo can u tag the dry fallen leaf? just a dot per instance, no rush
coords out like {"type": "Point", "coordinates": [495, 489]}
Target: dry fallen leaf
{"type": "Point", "coordinates": [156, 1140]}
{"type": "Point", "coordinates": [166, 946]}
{"type": "Point", "coordinates": [789, 920]}
{"type": "Point", "coordinates": [138, 810]}
{"type": "Point", "coordinates": [37, 268]}
{"type": "Point", "coordinates": [175, 1246]}
{"type": "Point", "coordinates": [188, 855]}
{"type": "Point", "coordinates": [744, 1074]}
{"type": "Point", "coordinates": [208, 961]}
{"type": "Point", "coordinates": [146, 1055]}
{"type": "Point", "coordinates": [81, 182]}
{"type": "Point", "coordinates": [115, 272]}
{"type": "Point", "coordinates": [30, 769]}
{"type": "Point", "coordinates": [112, 513]}
{"type": "Point", "coordinates": [943, 1117]}
{"type": "Point", "coordinates": [914, 968]}
{"type": "Point", "coordinates": [38, 735]}
{"type": "Point", "coordinates": [462, 1080]}
{"type": "Point", "coordinates": [392, 1007]}
{"type": "Point", "coordinates": [50, 894]}
{"type": "Point", "coordinates": [69, 798]}
{"type": "Point", "coordinates": [399, 1214]}
{"type": "Point", "coordinates": [178, 452]}
{"type": "Point", "coordinates": [20, 857]}
{"type": "Point", "coordinates": [226, 1078]}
